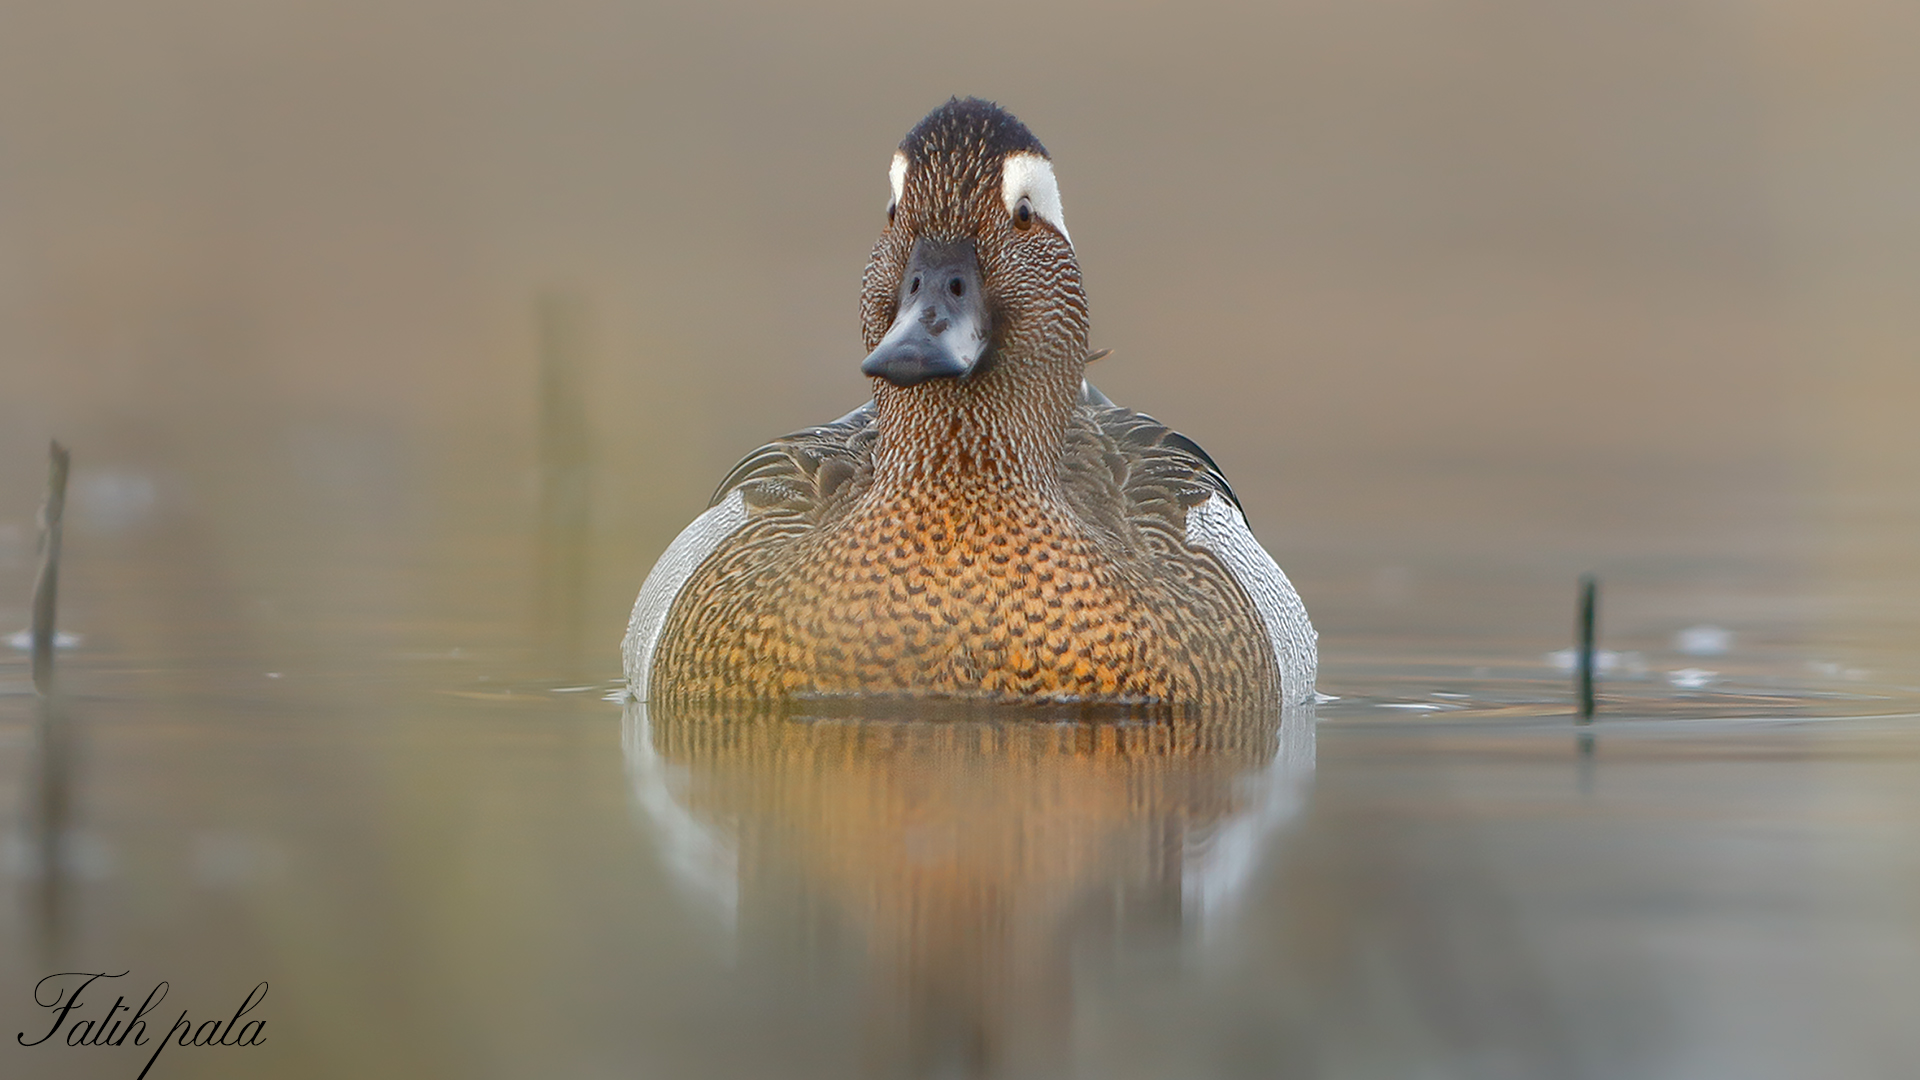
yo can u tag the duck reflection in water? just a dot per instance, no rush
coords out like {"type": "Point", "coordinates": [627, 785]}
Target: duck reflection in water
{"type": "Point", "coordinates": [966, 865]}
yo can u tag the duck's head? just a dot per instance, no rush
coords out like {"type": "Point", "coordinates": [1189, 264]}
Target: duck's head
{"type": "Point", "coordinates": [975, 273]}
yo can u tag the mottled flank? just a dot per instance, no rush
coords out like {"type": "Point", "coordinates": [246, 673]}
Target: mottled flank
{"type": "Point", "coordinates": [974, 591]}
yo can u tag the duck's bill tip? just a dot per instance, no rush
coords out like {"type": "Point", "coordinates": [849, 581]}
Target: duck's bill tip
{"type": "Point", "coordinates": [914, 360]}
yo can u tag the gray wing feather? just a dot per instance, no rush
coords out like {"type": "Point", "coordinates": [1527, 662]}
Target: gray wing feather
{"type": "Point", "coordinates": [669, 575]}
{"type": "Point", "coordinates": [807, 471]}
{"type": "Point", "coordinates": [1218, 526]}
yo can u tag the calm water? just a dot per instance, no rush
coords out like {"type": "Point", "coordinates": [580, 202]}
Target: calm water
{"type": "Point", "coordinates": [394, 341]}
{"type": "Point", "coordinates": [377, 765]}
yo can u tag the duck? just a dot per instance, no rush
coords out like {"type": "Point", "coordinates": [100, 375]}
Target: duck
{"type": "Point", "coordinates": [988, 528]}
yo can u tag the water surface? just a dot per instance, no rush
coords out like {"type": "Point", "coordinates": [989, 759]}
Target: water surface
{"type": "Point", "coordinates": [391, 774]}
{"type": "Point", "coordinates": [394, 341]}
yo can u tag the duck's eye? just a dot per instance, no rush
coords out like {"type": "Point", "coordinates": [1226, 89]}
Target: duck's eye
{"type": "Point", "coordinates": [1023, 214]}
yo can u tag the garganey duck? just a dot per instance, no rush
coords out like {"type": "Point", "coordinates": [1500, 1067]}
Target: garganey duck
{"type": "Point", "coordinates": [988, 527]}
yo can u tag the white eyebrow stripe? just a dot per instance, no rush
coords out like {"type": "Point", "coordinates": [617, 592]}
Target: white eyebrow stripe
{"type": "Point", "coordinates": [897, 175]}
{"type": "Point", "coordinates": [1030, 175]}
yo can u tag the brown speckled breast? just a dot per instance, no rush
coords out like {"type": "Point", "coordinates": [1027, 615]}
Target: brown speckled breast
{"type": "Point", "coordinates": [1086, 592]}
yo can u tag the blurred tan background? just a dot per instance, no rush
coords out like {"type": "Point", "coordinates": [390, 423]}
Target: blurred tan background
{"type": "Point", "coordinates": [394, 340]}
{"type": "Point", "coordinates": [1423, 276]}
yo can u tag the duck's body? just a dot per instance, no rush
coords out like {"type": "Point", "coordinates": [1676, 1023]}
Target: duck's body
{"type": "Point", "coordinates": [987, 528]}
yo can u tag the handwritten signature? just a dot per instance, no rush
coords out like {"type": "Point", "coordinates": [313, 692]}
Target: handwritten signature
{"type": "Point", "coordinates": [107, 1031]}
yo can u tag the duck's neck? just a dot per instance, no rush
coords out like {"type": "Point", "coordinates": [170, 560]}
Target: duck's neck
{"type": "Point", "coordinates": [1002, 431]}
